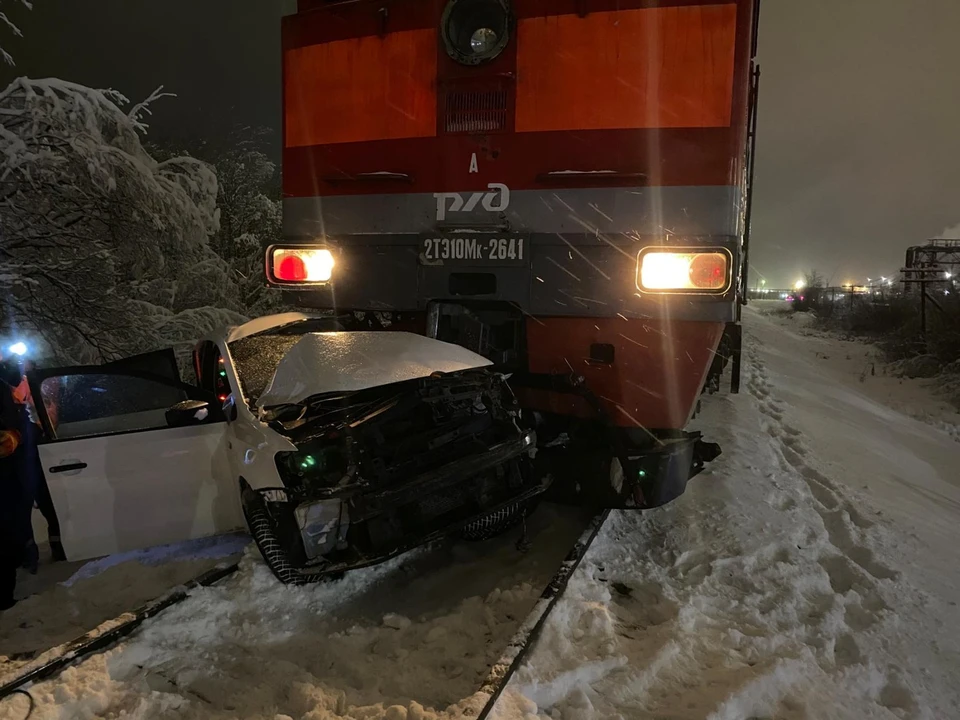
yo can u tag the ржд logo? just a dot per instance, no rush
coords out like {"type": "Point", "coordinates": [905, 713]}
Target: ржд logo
{"type": "Point", "coordinates": [496, 200]}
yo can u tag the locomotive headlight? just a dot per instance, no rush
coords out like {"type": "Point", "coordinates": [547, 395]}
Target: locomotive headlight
{"type": "Point", "coordinates": [684, 270]}
{"type": "Point", "coordinates": [483, 40]}
{"type": "Point", "coordinates": [476, 31]}
{"type": "Point", "coordinates": [299, 265]}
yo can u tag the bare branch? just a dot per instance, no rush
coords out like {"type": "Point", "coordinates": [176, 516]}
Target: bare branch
{"type": "Point", "coordinates": [13, 29]}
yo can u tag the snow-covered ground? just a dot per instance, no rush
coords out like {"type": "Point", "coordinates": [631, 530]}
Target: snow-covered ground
{"type": "Point", "coordinates": [418, 632]}
{"type": "Point", "coordinates": [67, 600]}
{"type": "Point", "coordinates": [934, 400]}
{"type": "Point", "coordinates": [812, 572]}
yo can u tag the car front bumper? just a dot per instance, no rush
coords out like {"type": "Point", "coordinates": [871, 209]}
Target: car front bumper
{"type": "Point", "coordinates": [358, 525]}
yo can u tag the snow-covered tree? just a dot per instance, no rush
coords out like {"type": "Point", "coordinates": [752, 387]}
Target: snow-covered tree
{"type": "Point", "coordinates": [250, 210]}
{"type": "Point", "coordinates": [103, 250]}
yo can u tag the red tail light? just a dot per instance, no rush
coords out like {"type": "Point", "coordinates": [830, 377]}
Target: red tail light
{"type": "Point", "coordinates": [709, 271]}
{"type": "Point", "coordinates": [291, 268]}
{"type": "Point", "coordinates": [299, 265]}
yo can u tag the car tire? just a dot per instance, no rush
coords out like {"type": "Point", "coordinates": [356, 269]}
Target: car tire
{"type": "Point", "coordinates": [261, 528]}
{"type": "Point", "coordinates": [498, 522]}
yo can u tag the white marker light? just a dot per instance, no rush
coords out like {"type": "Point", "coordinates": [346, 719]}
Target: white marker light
{"type": "Point", "coordinates": [18, 348]}
{"type": "Point", "coordinates": [319, 265]}
{"type": "Point", "coordinates": [692, 271]}
{"type": "Point", "coordinates": [665, 270]}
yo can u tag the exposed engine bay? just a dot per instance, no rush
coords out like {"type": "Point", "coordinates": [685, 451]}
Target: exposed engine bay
{"type": "Point", "coordinates": [382, 469]}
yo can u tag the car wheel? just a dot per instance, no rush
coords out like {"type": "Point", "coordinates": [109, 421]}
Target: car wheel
{"type": "Point", "coordinates": [498, 522]}
{"type": "Point", "coordinates": [264, 535]}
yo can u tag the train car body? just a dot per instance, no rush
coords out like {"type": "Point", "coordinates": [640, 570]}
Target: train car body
{"type": "Point", "coordinates": [559, 185]}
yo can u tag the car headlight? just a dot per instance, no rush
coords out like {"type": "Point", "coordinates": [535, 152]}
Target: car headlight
{"type": "Point", "coordinates": [684, 270]}
{"type": "Point", "coordinates": [323, 526]}
{"type": "Point", "coordinates": [476, 31]}
{"type": "Point", "coordinates": [299, 265]}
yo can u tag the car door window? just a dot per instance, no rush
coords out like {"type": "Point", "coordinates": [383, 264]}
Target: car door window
{"type": "Point", "coordinates": [90, 404]}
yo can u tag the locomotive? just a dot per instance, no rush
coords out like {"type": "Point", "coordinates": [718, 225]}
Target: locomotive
{"type": "Point", "coordinates": [562, 186]}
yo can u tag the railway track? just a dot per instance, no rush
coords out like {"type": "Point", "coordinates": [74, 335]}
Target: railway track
{"type": "Point", "coordinates": [568, 546]}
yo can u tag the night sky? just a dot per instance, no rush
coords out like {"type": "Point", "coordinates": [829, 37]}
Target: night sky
{"type": "Point", "coordinates": [859, 152]}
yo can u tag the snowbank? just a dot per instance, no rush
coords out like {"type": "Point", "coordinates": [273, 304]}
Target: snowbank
{"type": "Point", "coordinates": [808, 574]}
{"type": "Point", "coordinates": [860, 364]}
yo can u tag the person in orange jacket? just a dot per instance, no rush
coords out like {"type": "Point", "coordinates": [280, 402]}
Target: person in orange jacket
{"type": "Point", "coordinates": [22, 394]}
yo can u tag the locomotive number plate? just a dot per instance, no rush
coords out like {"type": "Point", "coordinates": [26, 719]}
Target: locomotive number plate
{"type": "Point", "coordinates": [459, 250]}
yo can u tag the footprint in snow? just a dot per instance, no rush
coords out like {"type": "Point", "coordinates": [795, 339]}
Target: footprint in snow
{"type": "Point", "coordinates": [641, 607]}
{"type": "Point", "coordinates": [846, 651]}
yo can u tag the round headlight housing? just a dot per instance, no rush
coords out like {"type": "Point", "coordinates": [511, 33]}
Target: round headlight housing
{"type": "Point", "coordinates": [476, 31]}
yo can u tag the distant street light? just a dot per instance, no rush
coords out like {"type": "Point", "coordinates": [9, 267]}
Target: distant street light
{"type": "Point", "coordinates": [799, 285]}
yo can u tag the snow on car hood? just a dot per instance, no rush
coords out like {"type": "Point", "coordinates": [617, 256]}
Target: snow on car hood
{"type": "Point", "coordinates": [349, 361]}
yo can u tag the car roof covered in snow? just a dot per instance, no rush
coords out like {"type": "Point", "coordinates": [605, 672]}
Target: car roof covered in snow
{"type": "Point", "coordinates": [327, 362]}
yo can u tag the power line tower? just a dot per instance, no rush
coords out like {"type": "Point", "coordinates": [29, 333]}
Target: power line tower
{"type": "Point", "coordinates": [930, 267]}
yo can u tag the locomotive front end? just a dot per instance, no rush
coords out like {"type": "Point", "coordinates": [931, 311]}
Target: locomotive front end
{"type": "Point", "coordinates": [561, 187]}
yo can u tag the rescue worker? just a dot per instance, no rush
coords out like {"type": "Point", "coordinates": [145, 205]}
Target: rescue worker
{"type": "Point", "coordinates": [16, 491]}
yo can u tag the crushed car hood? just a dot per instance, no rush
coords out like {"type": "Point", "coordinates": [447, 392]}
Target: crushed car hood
{"type": "Point", "coordinates": [349, 361]}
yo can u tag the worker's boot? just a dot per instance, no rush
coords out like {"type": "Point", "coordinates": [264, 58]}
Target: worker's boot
{"type": "Point", "coordinates": [31, 558]}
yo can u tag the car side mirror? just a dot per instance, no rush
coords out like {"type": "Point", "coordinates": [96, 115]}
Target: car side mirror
{"type": "Point", "coordinates": [192, 412]}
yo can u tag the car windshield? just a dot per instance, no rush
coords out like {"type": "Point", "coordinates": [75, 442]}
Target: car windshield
{"type": "Point", "coordinates": [256, 359]}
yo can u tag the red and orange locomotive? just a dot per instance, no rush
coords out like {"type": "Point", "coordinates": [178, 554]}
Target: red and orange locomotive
{"type": "Point", "coordinates": [560, 185]}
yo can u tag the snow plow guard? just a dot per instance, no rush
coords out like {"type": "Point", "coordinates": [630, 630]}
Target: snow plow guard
{"type": "Point", "coordinates": [663, 473]}
{"type": "Point", "coordinates": [650, 477]}
{"type": "Point", "coordinates": [624, 475]}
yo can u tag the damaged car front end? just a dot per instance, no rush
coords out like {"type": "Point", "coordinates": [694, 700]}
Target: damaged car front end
{"type": "Point", "coordinates": [383, 468]}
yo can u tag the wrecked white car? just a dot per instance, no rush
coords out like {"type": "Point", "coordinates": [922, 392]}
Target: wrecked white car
{"type": "Point", "coordinates": [336, 449]}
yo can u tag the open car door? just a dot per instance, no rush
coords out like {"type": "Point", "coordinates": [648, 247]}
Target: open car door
{"type": "Point", "coordinates": [158, 362]}
{"type": "Point", "coordinates": [121, 474]}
